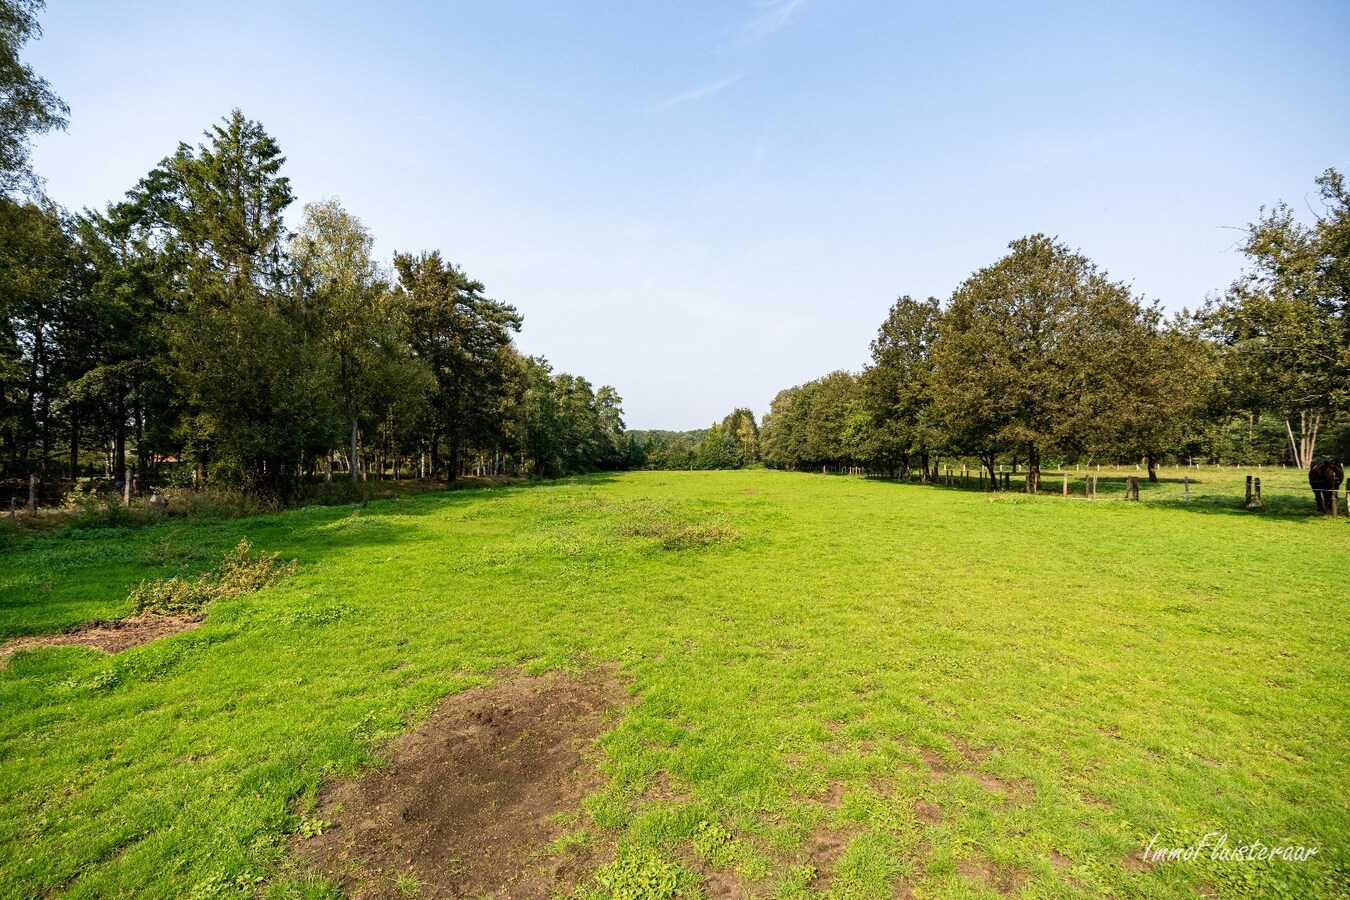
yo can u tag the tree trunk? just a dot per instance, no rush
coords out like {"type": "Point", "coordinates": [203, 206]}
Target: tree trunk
{"type": "Point", "coordinates": [453, 465]}
{"type": "Point", "coordinates": [74, 443]}
{"type": "Point", "coordinates": [433, 461]}
{"type": "Point", "coordinates": [353, 457]}
{"type": "Point", "coordinates": [1033, 469]}
{"type": "Point", "coordinates": [120, 440]}
{"type": "Point", "coordinates": [1310, 439]}
{"type": "Point", "coordinates": [142, 453]}
{"type": "Point", "coordinates": [1304, 446]}
{"type": "Point", "coordinates": [1152, 467]}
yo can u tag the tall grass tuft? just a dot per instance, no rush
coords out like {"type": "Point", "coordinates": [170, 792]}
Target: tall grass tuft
{"type": "Point", "coordinates": [239, 573]}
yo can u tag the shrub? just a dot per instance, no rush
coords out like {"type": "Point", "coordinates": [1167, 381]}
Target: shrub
{"type": "Point", "coordinates": [238, 573]}
{"type": "Point", "coordinates": [106, 510]}
{"type": "Point", "coordinates": [212, 503]}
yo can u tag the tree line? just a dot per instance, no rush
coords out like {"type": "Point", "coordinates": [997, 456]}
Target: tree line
{"type": "Point", "coordinates": [1042, 355]}
{"type": "Point", "coordinates": [184, 331]}
{"type": "Point", "coordinates": [732, 443]}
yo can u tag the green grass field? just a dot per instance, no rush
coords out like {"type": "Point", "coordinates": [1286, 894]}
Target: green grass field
{"type": "Point", "coordinates": [955, 683]}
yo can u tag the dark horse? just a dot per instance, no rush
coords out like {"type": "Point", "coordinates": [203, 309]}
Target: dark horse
{"type": "Point", "coordinates": [1325, 477]}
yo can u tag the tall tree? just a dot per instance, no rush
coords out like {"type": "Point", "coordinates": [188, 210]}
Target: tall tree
{"type": "Point", "coordinates": [252, 376]}
{"type": "Point", "coordinates": [465, 340]}
{"type": "Point", "coordinates": [354, 314]}
{"type": "Point", "coordinates": [898, 421]}
{"type": "Point", "coordinates": [740, 426]}
{"type": "Point", "coordinates": [119, 334]}
{"type": "Point", "coordinates": [1029, 347]}
{"type": "Point", "coordinates": [1161, 390]}
{"type": "Point", "coordinates": [1286, 322]}
{"type": "Point", "coordinates": [609, 420]}
{"type": "Point", "coordinates": [40, 283]}
{"type": "Point", "coordinates": [28, 105]}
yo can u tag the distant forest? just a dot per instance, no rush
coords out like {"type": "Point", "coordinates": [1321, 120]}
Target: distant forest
{"type": "Point", "coordinates": [185, 335]}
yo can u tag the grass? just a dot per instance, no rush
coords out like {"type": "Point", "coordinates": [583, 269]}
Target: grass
{"type": "Point", "coordinates": [1054, 682]}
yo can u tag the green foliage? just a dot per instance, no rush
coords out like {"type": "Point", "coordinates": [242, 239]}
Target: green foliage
{"type": "Point", "coordinates": [313, 827]}
{"type": "Point", "coordinates": [808, 426]}
{"type": "Point", "coordinates": [238, 573]}
{"type": "Point", "coordinates": [28, 105]}
{"type": "Point", "coordinates": [100, 510]}
{"type": "Point", "coordinates": [1030, 350]}
{"type": "Point", "coordinates": [1285, 325]}
{"type": "Point", "coordinates": [464, 339]}
{"type": "Point", "coordinates": [186, 327]}
{"type": "Point", "coordinates": [565, 425]}
{"type": "Point", "coordinates": [641, 875]}
{"type": "Point", "coordinates": [1040, 353]}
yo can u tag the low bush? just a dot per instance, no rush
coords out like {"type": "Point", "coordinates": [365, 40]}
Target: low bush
{"type": "Point", "coordinates": [106, 510]}
{"type": "Point", "coordinates": [239, 573]}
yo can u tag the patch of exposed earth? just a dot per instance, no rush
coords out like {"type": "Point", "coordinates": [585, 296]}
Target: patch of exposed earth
{"type": "Point", "coordinates": [470, 802]}
{"type": "Point", "coordinates": [110, 636]}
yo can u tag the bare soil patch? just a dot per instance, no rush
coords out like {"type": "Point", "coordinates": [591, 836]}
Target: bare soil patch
{"type": "Point", "coordinates": [661, 791]}
{"type": "Point", "coordinates": [469, 802]}
{"type": "Point", "coordinates": [1015, 792]}
{"type": "Point", "coordinates": [1005, 879]}
{"type": "Point", "coordinates": [1136, 862]}
{"type": "Point", "coordinates": [821, 852]}
{"type": "Point", "coordinates": [928, 813]}
{"type": "Point", "coordinates": [110, 636]}
{"type": "Point", "coordinates": [938, 766]}
{"type": "Point", "coordinates": [833, 795]}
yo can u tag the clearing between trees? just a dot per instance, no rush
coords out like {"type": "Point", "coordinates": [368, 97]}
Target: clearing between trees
{"type": "Point", "coordinates": [662, 684]}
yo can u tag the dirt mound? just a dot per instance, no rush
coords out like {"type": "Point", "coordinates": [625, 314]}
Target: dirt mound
{"type": "Point", "coordinates": [468, 803]}
{"type": "Point", "coordinates": [109, 636]}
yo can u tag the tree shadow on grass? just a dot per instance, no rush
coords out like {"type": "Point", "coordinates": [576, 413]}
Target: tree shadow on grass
{"type": "Point", "coordinates": [61, 579]}
{"type": "Point", "coordinates": [1283, 503]}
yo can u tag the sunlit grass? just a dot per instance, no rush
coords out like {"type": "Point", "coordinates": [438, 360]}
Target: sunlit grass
{"type": "Point", "coordinates": [974, 692]}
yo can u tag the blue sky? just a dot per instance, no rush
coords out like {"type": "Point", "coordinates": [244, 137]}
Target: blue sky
{"type": "Point", "coordinates": [704, 202]}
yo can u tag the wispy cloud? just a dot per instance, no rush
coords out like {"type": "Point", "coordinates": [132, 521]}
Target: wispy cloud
{"type": "Point", "coordinates": [1034, 153]}
{"type": "Point", "coordinates": [773, 15]}
{"type": "Point", "coordinates": [699, 92]}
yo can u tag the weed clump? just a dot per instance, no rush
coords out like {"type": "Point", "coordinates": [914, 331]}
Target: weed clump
{"type": "Point", "coordinates": [239, 572]}
{"type": "Point", "coordinates": [640, 876]}
{"type": "Point", "coordinates": [107, 510]}
{"type": "Point", "coordinates": [675, 533]}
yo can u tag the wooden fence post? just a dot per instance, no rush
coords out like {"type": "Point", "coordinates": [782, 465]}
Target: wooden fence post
{"type": "Point", "coordinates": [13, 509]}
{"type": "Point", "coordinates": [1247, 502]}
{"type": "Point", "coordinates": [32, 494]}
{"type": "Point", "coordinates": [1257, 486]}
{"type": "Point", "coordinates": [1186, 482]}
{"type": "Point", "coordinates": [1066, 484]}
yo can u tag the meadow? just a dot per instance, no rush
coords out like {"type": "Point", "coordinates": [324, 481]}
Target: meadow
{"type": "Point", "coordinates": [832, 685]}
